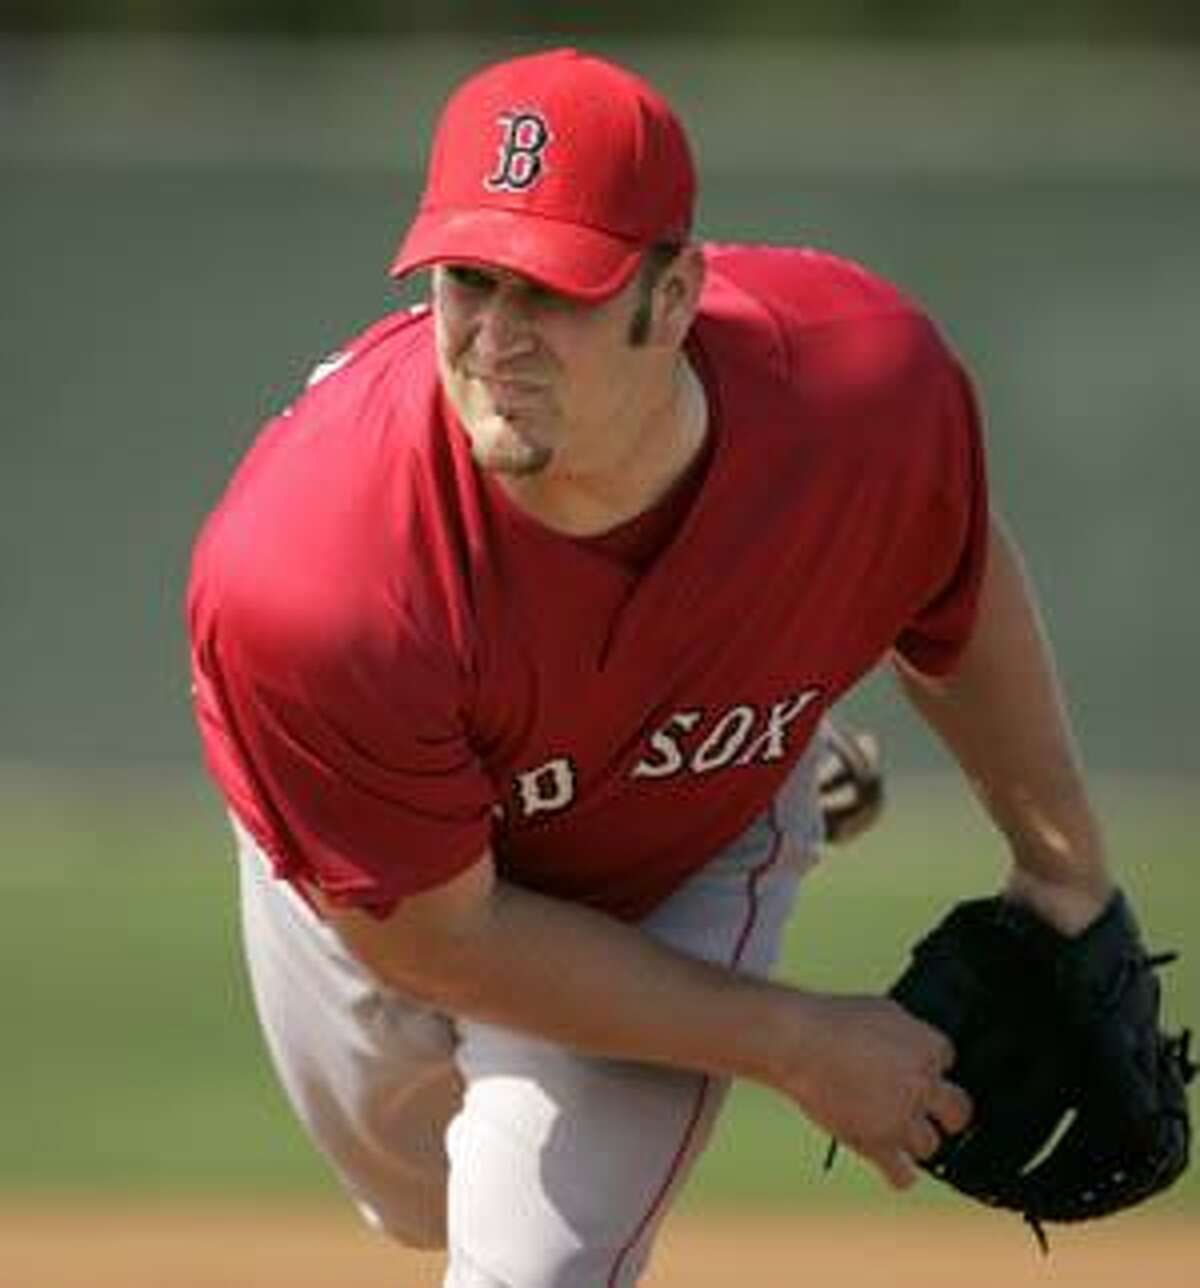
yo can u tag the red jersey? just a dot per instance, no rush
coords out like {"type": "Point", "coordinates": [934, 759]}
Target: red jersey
{"type": "Point", "coordinates": [395, 667]}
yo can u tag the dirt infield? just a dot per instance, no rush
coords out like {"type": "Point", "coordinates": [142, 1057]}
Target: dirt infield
{"type": "Point", "coordinates": [305, 1247]}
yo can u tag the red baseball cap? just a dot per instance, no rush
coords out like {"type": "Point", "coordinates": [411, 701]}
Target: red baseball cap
{"type": "Point", "coordinates": [559, 166]}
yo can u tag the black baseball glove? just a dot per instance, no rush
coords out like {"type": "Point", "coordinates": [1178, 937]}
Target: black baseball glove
{"type": "Point", "coordinates": [1080, 1101]}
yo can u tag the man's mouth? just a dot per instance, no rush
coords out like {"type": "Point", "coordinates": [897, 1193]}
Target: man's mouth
{"type": "Point", "coordinates": [505, 383]}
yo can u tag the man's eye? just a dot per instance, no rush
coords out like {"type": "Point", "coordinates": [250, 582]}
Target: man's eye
{"type": "Point", "coordinates": [472, 279]}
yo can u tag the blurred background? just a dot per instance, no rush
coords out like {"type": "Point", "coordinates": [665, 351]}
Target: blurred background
{"type": "Point", "coordinates": [199, 198]}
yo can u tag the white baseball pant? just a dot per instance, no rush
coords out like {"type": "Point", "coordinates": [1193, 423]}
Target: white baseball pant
{"type": "Point", "coordinates": [535, 1166]}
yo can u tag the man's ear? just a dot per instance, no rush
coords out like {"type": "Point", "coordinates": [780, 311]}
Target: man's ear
{"type": "Point", "coordinates": [678, 295]}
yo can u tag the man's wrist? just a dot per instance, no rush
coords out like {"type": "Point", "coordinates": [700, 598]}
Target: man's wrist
{"type": "Point", "coordinates": [1070, 901]}
{"type": "Point", "coordinates": [786, 1030]}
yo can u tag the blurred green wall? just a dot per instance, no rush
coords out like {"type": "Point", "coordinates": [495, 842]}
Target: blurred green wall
{"type": "Point", "coordinates": [186, 229]}
{"type": "Point", "coordinates": [942, 19]}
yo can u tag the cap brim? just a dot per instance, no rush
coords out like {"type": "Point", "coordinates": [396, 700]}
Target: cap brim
{"type": "Point", "coordinates": [568, 258]}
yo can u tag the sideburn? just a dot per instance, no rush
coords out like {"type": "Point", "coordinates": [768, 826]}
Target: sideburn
{"type": "Point", "coordinates": [639, 324]}
{"type": "Point", "coordinates": [655, 263]}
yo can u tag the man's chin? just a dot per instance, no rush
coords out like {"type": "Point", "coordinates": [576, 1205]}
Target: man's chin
{"type": "Point", "coordinates": [502, 448]}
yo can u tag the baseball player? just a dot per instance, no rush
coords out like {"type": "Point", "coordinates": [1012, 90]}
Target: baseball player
{"type": "Point", "coordinates": [511, 642]}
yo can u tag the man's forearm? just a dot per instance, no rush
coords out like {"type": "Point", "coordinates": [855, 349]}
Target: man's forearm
{"type": "Point", "coordinates": [574, 976]}
{"type": "Point", "coordinates": [861, 1067]}
{"type": "Point", "coordinates": [1002, 715]}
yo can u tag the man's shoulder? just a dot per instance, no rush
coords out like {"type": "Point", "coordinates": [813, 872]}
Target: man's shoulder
{"type": "Point", "coordinates": [400, 344]}
{"type": "Point", "coordinates": [820, 319]}
{"type": "Point", "coordinates": [802, 285]}
{"type": "Point", "coordinates": [361, 409]}
{"type": "Point", "coordinates": [315, 517]}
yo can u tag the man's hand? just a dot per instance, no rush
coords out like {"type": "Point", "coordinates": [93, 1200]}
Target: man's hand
{"type": "Point", "coordinates": [873, 1076]}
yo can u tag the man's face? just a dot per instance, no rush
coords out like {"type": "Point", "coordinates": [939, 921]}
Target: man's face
{"type": "Point", "coordinates": [534, 376]}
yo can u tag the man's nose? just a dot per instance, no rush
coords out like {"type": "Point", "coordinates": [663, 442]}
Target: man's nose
{"type": "Point", "coordinates": [505, 328]}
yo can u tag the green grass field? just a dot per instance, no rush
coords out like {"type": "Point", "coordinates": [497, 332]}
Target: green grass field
{"type": "Point", "coordinates": [132, 1063]}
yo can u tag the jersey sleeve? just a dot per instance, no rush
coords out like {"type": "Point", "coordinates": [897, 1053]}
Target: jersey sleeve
{"type": "Point", "coordinates": [338, 744]}
{"type": "Point", "coordinates": [955, 534]}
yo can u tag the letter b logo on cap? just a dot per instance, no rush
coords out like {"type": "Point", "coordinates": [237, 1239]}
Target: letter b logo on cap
{"type": "Point", "coordinates": [519, 167]}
